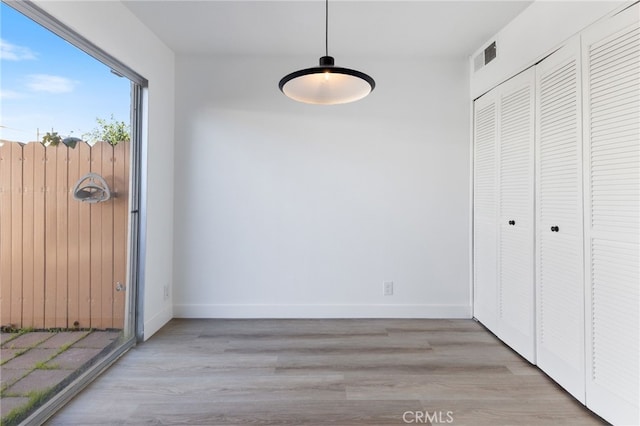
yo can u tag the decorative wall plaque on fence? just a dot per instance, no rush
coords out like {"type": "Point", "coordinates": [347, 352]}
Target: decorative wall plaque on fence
{"type": "Point", "coordinates": [91, 188]}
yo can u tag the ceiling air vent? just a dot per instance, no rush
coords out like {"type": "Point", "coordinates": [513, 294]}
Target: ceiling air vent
{"type": "Point", "coordinates": [484, 57]}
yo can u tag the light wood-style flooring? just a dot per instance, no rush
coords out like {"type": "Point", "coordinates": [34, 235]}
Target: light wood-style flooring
{"type": "Point", "coordinates": [323, 372]}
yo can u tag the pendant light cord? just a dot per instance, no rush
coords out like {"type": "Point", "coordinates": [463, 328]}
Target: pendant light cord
{"type": "Point", "coordinates": [326, 27]}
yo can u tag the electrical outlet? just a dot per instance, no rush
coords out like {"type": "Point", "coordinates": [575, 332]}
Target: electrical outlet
{"type": "Point", "coordinates": [166, 292]}
{"type": "Point", "coordinates": [387, 288]}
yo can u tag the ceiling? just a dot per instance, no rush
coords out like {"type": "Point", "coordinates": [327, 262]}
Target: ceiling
{"type": "Point", "coordinates": [368, 28]}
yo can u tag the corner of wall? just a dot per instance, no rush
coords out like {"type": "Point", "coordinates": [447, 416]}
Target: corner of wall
{"type": "Point", "coordinates": [157, 321]}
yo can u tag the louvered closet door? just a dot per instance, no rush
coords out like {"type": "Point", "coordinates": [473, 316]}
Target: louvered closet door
{"type": "Point", "coordinates": [485, 209]}
{"type": "Point", "coordinates": [515, 325]}
{"type": "Point", "coordinates": [611, 69]}
{"type": "Point", "coordinates": [559, 243]}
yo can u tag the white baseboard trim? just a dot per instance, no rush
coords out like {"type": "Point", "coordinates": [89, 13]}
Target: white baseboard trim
{"type": "Point", "coordinates": [321, 311]}
{"type": "Point", "coordinates": [156, 322]}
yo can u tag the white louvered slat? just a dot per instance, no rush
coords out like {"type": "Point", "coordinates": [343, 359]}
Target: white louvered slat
{"type": "Point", "coordinates": [615, 291]}
{"type": "Point", "coordinates": [485, 209]}
{"type": "Point", "coordinates": [515, 200]}
{"type": "Point", "coordinates": [611, 68]}
{"type": "Point", "coordinates": [559, 258]}
{"type": "Point", "coordinates": [515, 286]}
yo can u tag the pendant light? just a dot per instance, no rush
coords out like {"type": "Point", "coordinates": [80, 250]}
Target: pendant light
{"type": "Point", "coordinates": [327, 84]}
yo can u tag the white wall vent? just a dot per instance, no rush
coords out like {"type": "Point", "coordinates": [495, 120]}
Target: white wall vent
{"type": "Point", "coordinates": [484, 57]}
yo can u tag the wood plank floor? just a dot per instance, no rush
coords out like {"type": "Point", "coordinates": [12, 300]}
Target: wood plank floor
{"type": "Point", "coordinates": [322, 372]}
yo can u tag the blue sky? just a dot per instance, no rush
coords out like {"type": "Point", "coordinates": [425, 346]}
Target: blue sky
{"type": "Point", "coordinates": [46, 83]}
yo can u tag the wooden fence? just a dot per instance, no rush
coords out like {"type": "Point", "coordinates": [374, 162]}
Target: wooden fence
{"type": "Point", "coordinates": [60, 259]}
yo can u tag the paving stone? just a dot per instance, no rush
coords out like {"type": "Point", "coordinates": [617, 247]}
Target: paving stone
{"type": "Point", "coordinates": [29, 339]}
{"type": "Point", "coordinates": [38, 380]}
{"type": "Point", "coordinates": [6, 336]}
{"type": "Point", "coordinates": [9, 376]}
{"type": "Point", "coordinates": [29, 359]}
{"type": "Point", "coordinates": [7, 354]}
{"type": "Point", "coordinates": [74, 358]}
{"type": "Point", "coordinates": [7, 404]}
{"type": "Point", "coordinates": [98, 339]}
{"type": "Point", "coordinates": [63, 338]}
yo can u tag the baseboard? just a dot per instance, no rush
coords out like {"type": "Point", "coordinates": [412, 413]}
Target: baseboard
{"type": "Point", "coordinates": [321, 311]}
{"type": "Point", "coordinates": [157, 321]}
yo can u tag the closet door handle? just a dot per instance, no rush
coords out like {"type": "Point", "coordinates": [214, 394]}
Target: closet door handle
{"type": "Point", "coordinates": [555, 229]}
{"type": "Point", "coordinates": [512, 222]}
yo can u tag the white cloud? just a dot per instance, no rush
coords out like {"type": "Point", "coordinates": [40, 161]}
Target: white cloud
{"type": "Point", "coordinates": [11, 94]}
{"type": "Point", "coordinates": [50, 83]}
{"type": "Point", "coordinates": [12, 52]}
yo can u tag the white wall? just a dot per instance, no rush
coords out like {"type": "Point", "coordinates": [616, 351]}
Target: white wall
{"type": "Point", "coordinates": [536, 32]}
{"type": "Point", "coordinates": [291, 210]}
{"type": "Point", "coordinates": [112, 27]}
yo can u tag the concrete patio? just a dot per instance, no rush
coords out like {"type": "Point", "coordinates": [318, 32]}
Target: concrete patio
{"type": "Point", "coordinates": [36, 365]}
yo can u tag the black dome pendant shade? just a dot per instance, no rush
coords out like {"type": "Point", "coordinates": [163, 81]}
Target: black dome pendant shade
{"type": "Point", "coordinates": [327, 84]}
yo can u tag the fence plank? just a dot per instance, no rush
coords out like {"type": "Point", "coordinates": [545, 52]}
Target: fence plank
{"type": "Point", "coordinates": [39, 222]}
{"type": "Point", "coordinates": [107, 239]}
{"type": "Point", "coordinates": [33, 217]}
{"type": "Point", "coordinates": [120, 228]}
{"type": "Point", "coordinates": [5, 233]}
{"type": "Point", "coordinates": [73, 262]}
{"type": "Point", "coordinates": [62, 204]}
{"type": "Point", "coordinates": [16, 237]}
{"type": "Point", "coordinates": [28, 228]}
{"type": "Point", "coordinates": [39, 234]}
{"type": "Point", "coordinates": [84, 244]}
{"type": "Point", "coordinates": [51, 237]}
{"type": "Point", "coordinates": [73, 239]}
{"type": "Point", "coordinates": [96, 246]}
{"type": "Point", "coordinates": [127, 233]}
